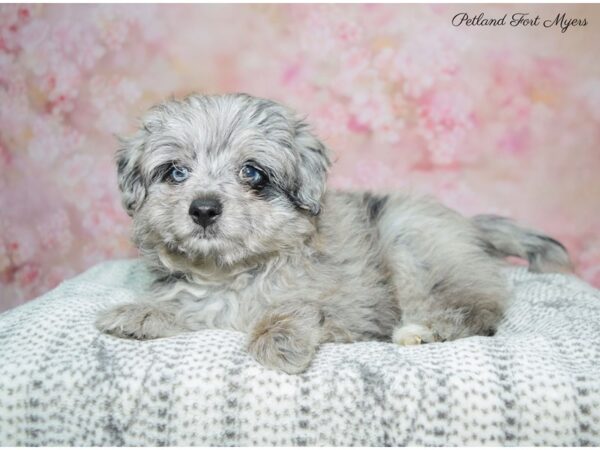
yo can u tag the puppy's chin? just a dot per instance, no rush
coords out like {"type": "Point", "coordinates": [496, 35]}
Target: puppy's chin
{"type": "Point", "coordinates": [210, 253]}
{"type": "Point", "coordinates": [204, 249]}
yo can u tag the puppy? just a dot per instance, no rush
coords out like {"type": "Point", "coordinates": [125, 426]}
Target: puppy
{"type": "Point", "coordinates": [227, 195]}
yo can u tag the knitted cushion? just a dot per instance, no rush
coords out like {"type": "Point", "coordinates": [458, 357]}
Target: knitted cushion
{"type": "Point", "coordinates": [63, 383]}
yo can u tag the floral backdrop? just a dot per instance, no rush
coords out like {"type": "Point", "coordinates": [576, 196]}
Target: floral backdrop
{"type": "Point", "coordinates": [488, 119]}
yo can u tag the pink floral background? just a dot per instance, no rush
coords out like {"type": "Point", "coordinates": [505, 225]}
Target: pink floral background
{"type": "Point", "coordinates": [500, 120]}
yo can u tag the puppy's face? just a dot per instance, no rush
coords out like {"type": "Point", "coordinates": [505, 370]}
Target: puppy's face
{"type": "Point", "coordinates": [221, 178]}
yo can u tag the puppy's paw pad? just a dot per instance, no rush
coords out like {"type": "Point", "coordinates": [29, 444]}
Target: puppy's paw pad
{"type": "Point", "coordinates": [136, 320]}
{"type": "Point", "coordinates": [413, 334]}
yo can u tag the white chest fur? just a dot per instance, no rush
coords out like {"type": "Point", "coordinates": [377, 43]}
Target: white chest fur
{"type": "Point", "coordinates": [230, 304]}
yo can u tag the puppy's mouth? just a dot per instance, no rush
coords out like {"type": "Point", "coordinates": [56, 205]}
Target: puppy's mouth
{"type": "Point", "coordinates": [198, 242]}
{"type": "Point", "coordinates": [205, 234]}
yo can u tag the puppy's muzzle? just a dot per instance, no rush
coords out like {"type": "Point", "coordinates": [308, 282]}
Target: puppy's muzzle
{"type": "Point", "coordinates": [205, 211]}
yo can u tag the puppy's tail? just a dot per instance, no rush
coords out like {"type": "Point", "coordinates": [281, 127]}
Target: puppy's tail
{"type": "Point", "coordinates": [502, 237]}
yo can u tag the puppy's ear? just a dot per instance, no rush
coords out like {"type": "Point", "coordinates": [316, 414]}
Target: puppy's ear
{"type": "Point", "coordinates": [311, 171]}
{"type": "Point", "coordinates": [131, 183]}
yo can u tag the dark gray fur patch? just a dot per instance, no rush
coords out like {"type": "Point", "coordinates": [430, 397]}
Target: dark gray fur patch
{"type": "Point", "coordinates": [374, 204]}
{"type": "Point", "coordinates": [439, 286]}
{"type": "Point", "coordinates": [121, 164]}
{"type": "Point", "coordinates": [129, 179]}
{"type": "Point", "coordinates": [160, 173]}
{"type": "Point", "coordinates": [170, 278]}
{"type": "Point", "coordinates": [488, 247]}
{"type": "Point", "coordinates": [273, 190]}
{"type": "Point", "coordinates": [551, 241]}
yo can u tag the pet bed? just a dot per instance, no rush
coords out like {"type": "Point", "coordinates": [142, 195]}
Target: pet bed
{"type": "Point", "coordinates": [537, 382]}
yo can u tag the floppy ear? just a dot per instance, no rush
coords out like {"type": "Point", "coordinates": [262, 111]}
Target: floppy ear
{"type": "Point", "coordinates": [131, 183]}
{"type": "Point", "coordinates": [312, 169]}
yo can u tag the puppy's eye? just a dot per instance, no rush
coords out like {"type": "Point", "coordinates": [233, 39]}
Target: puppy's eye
{"type": "Point", "coordinates": [253, 176]}
{"type": "Point", "coordinates": [179, 174]}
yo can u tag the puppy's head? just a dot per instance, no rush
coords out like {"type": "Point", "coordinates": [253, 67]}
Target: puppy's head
{"type": "Point", "coordinates": [221, 178]}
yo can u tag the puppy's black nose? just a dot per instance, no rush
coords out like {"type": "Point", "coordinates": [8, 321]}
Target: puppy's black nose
{"type": "Point", "coordinates": [205, 211]}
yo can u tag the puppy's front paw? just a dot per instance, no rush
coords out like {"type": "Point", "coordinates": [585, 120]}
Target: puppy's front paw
{"type": "Point", "coordinates": [279, 343]}
{"type": "Point", "coordinates": [138, 321]}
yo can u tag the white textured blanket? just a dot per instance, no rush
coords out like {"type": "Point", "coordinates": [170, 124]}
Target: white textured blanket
{"type": "Point", "coordinates": [63, 383]}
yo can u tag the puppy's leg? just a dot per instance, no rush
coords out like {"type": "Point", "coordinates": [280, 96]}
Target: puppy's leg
{"type": "Point", "coordinates": [287, 337]}
{"type": "Point", "coordinates": [412, 293]}
{"type": "Point", "coordinates": [142, 320]}
{"type": "Point", "coordinates": [446, 300]}
{"type": "Point", "coordinates": [447, 286]}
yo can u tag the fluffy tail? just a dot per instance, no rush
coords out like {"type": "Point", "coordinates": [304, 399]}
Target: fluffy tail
{"type": "Point", "coordinates": [503, 237]}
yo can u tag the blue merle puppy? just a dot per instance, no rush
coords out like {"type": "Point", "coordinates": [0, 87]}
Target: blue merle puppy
{"type": "Point", "coordinates": [230, 211]}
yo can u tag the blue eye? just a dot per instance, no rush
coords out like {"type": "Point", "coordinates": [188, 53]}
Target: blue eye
{"type": "Point", "coordinates": [179, 174]}
{"type": "Point", "coordinates": [252, 175]}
